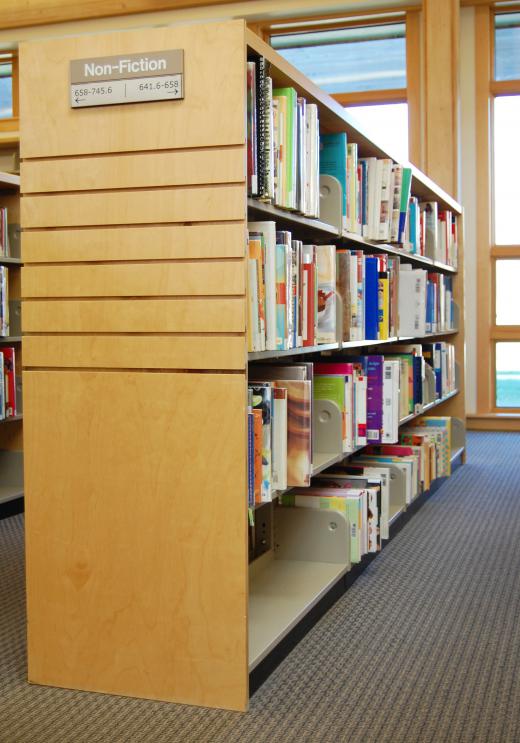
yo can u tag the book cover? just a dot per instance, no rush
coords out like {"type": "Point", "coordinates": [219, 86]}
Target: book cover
{"type": "Point", "coordinates": [333, 161]}
{"type": "Point", "coordinates": [252, 169]}
{"type": "Point", "coordinates": [326, 270]}
{"type": "Point", "coordinates": [372, 366]}
{"type": "Point", "coordinates": [268, 232]}
{"type": "Point", "coordinates": [287, 98]}
{"type": "Point", "coordinates": [250, 451]}
{"type": "Point", "coordinates": [279, 431]}
{"type": "Point", "coordinates": [309, 290]}
{"type": "Point", "coordinates": [257, 440]}
{"type": "Point", "coordinates": [406, 185]}
{"type": "Point", "coordinates": [343, 288]}
{"type": "Point", "coordinates": [262, 400]}
{"type": "Point", "coordinates": [371, 298]}
{"type": "Point", "coordinates": [281, 296]}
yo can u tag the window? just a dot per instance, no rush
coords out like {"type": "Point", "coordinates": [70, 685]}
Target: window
{"type": "Point", "coordinates": [364, 67]}
{"type": "Point", "coordinates": [349, 60]}
{"type": "Point", "coordinates": [6, 87]}
{"type": "Point", "coordinates": [499, 236]}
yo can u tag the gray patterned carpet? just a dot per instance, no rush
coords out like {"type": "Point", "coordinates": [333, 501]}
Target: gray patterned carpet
{"type": "Point", "coordinates": [425, 647]}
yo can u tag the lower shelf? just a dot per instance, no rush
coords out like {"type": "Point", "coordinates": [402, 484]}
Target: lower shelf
{"type": "Point", "coordinates": [287, 597]}
{"type": "Point", "coordinates": [10, 492]}
{"type": "Point", "coordinates": [281, 593]}
{"type": "Point", "coordinates": [11, 475]}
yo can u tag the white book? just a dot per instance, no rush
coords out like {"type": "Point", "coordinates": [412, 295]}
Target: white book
{"type": "Point", "coordinates": [396, 203]}
{"type": "Point", "coordinates": [253, 335]}
{"type": "Point", "coordinates": [383, 475]}
{"type": "Point", "coordinates": [268, 230]}
{"type": "Point", "coordinates": [374, 196]}
{"type": "Point", "coordinates": [390, 401]}
{"type": "Point", "coordinates": [386, 200]}
{"type": "Point", "coordinates": [279, 438]}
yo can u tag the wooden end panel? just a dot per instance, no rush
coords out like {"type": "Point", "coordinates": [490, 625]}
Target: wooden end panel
{"type": "Point", "coordinates": [135, 170]}
{"type": "Point", "coordinates": [136, 534]}
{"type": "Point", "coordinates": [211, 114]}
{"type": "Point", "coordinates": [190, 204]}
{"type": "Point", "coordinates": [157, 242]}
{"type": "Point", "coordinates": [224, 278]}
{"type": "Point", "coordinates": [135, 352]}
{"type": "Point", "coordinates": [193, 315]}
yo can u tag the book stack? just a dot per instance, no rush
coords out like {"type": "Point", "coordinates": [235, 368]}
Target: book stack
{"type": "Point", "coordinates": [282, 144]}
{"type": "Point", "coordinates": [279, 429]}
{"type": "Point", "coordinates": [291, 290]}
{"type": "Point", "coordinates": [432, 232]}
{"type": "Point", "coordinates": [4, 233]}
{"type": "Point", "coordinates": [368, 287]}
{"type": "Point", "coordinates": [425, 302]}
{"type": "Point", "coordinates": [7, 383]}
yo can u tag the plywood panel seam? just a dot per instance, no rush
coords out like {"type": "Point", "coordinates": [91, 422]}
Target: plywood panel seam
{"type": "Point", "coordinates": [131, 189]}
{"type": "Point", "coordinates": [166, 150]}
{"type": "Point", "coordinates": [135, 226]}
{"type": "Point", "coordinates": [132, 370]}
{"type": "Point", "coordinates": [155, 334]}
{"type": "Point", "coordinates": [136, 261]}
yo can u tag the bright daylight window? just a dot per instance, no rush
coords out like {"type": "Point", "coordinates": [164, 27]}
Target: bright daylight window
{"type": "Point", "coordinates": [6, 87]}
{"type": "Point", "coordinates": [357, 60]}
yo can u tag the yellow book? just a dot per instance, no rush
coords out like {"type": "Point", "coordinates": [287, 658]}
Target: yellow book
{"type": "Point", "coordinates": [383, 307]}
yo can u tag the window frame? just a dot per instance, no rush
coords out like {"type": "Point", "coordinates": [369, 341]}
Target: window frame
{"type": "Point", "coordinates": [488, 252]}
{"type": "Point", "coordinates": [11, 124]}
{"type": "Point", "coordinates": [411, 17]}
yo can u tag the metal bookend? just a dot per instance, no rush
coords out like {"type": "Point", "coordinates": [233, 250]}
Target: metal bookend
{"type": "Point", "coordinates": [312, 535]}
{"type": "Point", "coordinates": [327, 428]}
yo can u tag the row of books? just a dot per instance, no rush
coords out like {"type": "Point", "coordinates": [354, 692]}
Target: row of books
{"type": "Point", "coordinates": [425, 302]}
{"type": "Point", "coordinates": [306, 295]}
{"type": "Point", "coordinates": [360, 489]}
{"type": "Point", "coordinates": [283, 143]}
{"type": "Point", "coordinates": [370, 395]}
{"type": "Point", "coordinates": [7, 382]}
{"type": "Point", "coordinates": [4, 301]}
{"type": "Point", "coordinates": [432, 232]}
{"type": "Point", "coordinates": [4, 233]}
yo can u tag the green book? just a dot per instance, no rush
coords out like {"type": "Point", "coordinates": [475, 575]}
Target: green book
{"type": "Point", "coordinates": [287, 107]}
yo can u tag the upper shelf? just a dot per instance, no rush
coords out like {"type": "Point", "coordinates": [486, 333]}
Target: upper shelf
{"type": "Point", "coordinates": [9, 180]}
{"type": "Point", "coordinates": [315, 230]}
{"type": "Point", "coordinates": [334, 118]}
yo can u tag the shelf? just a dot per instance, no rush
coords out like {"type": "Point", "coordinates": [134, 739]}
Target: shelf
{"type": "Point", "coordinates": [12, 419]}
{"type": "Point", "coordinates": [427, 407]}
{"type": "Point", "coordinates": [290, 219]}
{"type": "Point", "coordinates": [263, 355]}
{"type": "Point", "coordinates": [8, 261]}
{"type": "Point", "coordinates": [456, 453]}
{"type": "Point", "coordinates": [10, 492]}
{"type": "Point", "coordinates": [394, 515]}
{"type": "Point", "coordinates": [9, 180]}
{"type": "Point", "coordinates": [10, 339]}
{"type": "Point", "coordinates": [281, 593]}
{"type": "Point", "coordinates": [322, 461]}
{"type": "Point", "coordinates": [334, 117]}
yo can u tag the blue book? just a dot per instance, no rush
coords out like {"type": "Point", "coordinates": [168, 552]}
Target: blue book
{"type": "Point", "coordinates": [418, 362]}
{"type": "Point", "coordinates": [333, 161]}
{"type": "Point", "coordinates": [371, 298]}
{"type": "Point", "coordinates": [430, 306]}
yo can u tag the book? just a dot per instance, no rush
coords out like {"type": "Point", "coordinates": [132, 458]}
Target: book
{"type": "Point", "coordinates": [333, 162]}
{"type": "Point", "coordinates": [268, 232]}
{"type": "Point", "coordinates": [371, 287]}
{"type": "Point", "coordinates": [326, 274]}
{"type": "Point", "coordinates": [9, 380]}
{"type": "Point", "coordinates": [252, 170]}
{"type": "Point", "coordinates": [287, 100]}
{"type": "Point", "coordinates": [279, 438]}
{"type": "Point", "coordinates": [262, 400]}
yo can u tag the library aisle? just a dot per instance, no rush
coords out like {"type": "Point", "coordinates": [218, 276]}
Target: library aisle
{"type": "Point", "coordinates": [424, 647]}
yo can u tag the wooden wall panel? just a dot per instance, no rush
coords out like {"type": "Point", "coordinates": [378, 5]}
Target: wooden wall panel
{"type": "Point", "coordinates": [135, 352]}
{"type": "Point", "coordinates": [135, 279]}
{"type": "Point", "coordinates": [211, 114]}
{"type": "Point", "coordinates": [159, 242]}
{"type": "Point", "coordinates": [194, 315]}
{"type": "Point", "coordinates": [136, 170]}
{"type": "Point", "coordinates": [136, 550]}
{"type": "Point", "coordinates": [191, 204]}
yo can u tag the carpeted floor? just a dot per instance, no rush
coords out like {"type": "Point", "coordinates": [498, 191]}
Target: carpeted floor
{"type": "Point", "coordinates": [425, 647]}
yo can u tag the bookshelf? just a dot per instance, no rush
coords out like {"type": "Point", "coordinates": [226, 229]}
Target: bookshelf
{"type": "Point", "coordinates": [11, 434]}
{"type": "Point", "coordinates": [135, 380]}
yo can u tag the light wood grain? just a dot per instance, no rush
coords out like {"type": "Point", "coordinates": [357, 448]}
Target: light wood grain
{"type": "Point", "coordinates": [441, 45]}
{"type": "Point", "coordinates": [135, 316]}
{"type": "Point", "coordinates": [134, 352]}
{"type": "Point", "coordinates": [190, 204]}
{"type": "Point", "coordinates": [214, 56]}
{"type": "Point", "coordinates": [135, 170]}
{"type": "Point", "coordinates": [14, 14]}
{"type": "Point", "coordinates": [414, 87]}
{"type": "Point", "coordinates": [136, 553]}
{"type": "Point", "coordinates": [196, 278]}
{"type": "Point", "coordinates": [135, 243]}
{"type": "Point", "coordinates": [485, 351]}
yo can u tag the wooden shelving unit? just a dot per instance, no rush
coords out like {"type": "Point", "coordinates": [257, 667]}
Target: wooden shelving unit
{"type": "Point", "coordinates": [11, 436]}
{"type": "Point", "coordinates": [135, 379]}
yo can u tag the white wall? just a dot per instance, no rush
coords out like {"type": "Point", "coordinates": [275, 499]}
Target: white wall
{"type": "Point", "coordinates": [469, 196]}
